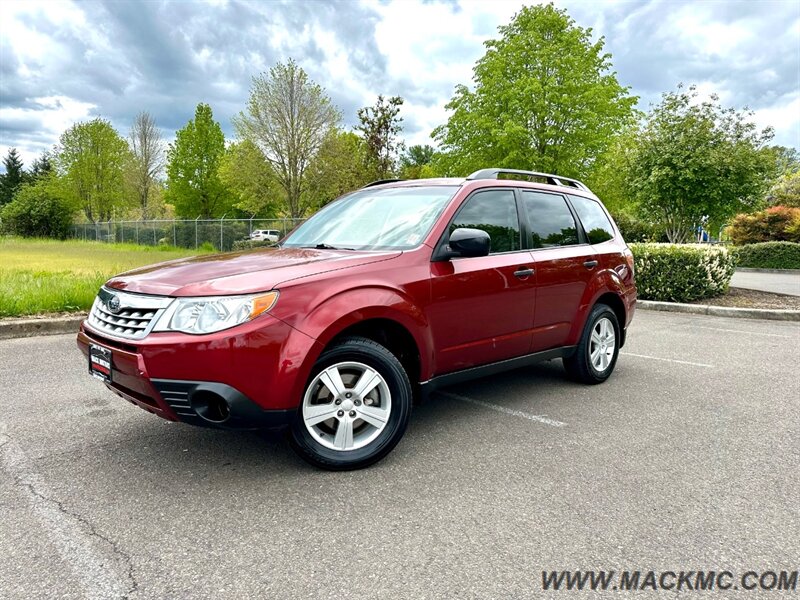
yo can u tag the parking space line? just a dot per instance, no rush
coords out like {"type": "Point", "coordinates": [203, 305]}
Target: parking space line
{"type": "Point", "coordinates": [505, 410]}
{"type": "Point", "coordinates": [97, 574]}
{"type": "Point", "coordinates": [672, 360]}
{"type": "Point", "coordinates": [745, 331]}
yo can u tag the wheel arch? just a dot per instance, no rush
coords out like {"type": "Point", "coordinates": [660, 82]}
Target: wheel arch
{"type": "Point", "coordinates": [604, 289]}
{"type": "Point", "coordinates": [396, 324]}
{"type": "Point", "coordinates": [615, 303]}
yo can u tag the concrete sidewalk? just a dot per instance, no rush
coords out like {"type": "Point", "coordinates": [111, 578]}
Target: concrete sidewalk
{"type": "Point", "coordinates": [777, 283]}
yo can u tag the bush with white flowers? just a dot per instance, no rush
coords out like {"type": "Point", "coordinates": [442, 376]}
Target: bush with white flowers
{"type": "Point", "coordinates": [681, 272]}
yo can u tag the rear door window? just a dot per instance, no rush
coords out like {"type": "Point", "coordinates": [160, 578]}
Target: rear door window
{"type": "Point", "coordinates": [593, 218]}
{"type": "Point", "coordinates": [550, 220]}
{"type": "Point", "coordinates": [495, 212]}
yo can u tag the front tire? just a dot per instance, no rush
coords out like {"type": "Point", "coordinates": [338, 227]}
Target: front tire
{"type": "Point", "coordinates": [596, 355]}
{"type": "Point", "coordinates": [355, 407]}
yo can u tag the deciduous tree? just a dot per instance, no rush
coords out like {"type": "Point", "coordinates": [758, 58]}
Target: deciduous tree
{"type": "Point", "coordinates": [194, 185]}
{"type": "Point", "coordinates": [91, 158]}
{"type": "Point", "coordinates": [786, 192]}
{"type": "Point", "coordinates": [608, 176]}
{"type": "Point", "coordinates": [696, 160]}
{"type": "Point", "coordinates": [147, 165]}
{"type": "Point", "coordinates": [544, 98]}
{"type": "Point", "coordinates": [251, 179]}
{"type": "Point", "coordinates": [287, 118]}
{"type": "Point", "coordinates": [380, 125]}
{"type": "Point", "coordinates": [338, 168]}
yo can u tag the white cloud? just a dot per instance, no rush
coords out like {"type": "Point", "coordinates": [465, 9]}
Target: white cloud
{"type": "Point", "coordinates": [61, 61]}
{"type": "Point", "coordinates": [784, 117]}
{"type": "Point", "coordinates": [48, 117]}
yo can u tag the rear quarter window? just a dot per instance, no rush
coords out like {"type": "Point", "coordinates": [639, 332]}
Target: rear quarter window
{"type": "Point", "coordinates": [594, 219]}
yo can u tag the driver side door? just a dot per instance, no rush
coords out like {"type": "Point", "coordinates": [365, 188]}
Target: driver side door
{"type": "Point", "coordinates": [482, 307]}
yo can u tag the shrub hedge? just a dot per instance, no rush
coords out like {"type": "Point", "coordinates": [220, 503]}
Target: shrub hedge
{"type": "Point", "coordinates": [250, 244]}
{"type": "Point", "coordinates": [681, 272]}
{"type": "Point", "coordinates": [768, 255]}
{"type": "Point", "coordinates": [776, 224]}
{"type": "Point", "coordinates": [37, 212]}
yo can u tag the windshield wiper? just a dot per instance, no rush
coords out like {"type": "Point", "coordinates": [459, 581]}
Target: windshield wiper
{"type": "Point", "coordinates": [326, 247]}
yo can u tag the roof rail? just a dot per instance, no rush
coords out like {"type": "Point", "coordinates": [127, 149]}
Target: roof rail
{"type": "Point", "coordinates": [551, 179]}
{"type": "Point", "coordinates": [380, 182]}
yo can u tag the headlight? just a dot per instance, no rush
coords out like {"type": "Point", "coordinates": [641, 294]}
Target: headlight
{"type": "Point", "coordinates": [214, 313]}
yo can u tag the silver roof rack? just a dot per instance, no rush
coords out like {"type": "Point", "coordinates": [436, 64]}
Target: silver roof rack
{"type": "Point", "coordinates": [548, 177]}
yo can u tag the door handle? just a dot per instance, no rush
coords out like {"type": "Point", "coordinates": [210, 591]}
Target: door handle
{"type": "Point", "coordinates": [522, 273]}
{"type": "Point", "coordinates": [590, 264]}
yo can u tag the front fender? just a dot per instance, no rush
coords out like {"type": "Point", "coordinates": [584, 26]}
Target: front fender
{"type": "Point", "coordinates": [327, 319]}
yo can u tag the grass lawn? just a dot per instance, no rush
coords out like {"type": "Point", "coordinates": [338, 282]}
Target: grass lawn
{"type": "Point", "coordinates": [49, 276]}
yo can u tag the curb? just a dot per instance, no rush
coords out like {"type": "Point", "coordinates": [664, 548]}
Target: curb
{"type": "Point", "coordinates": [781, 271]}
{"type": "Point", "coordinates": [771, 314]}
{"type": "Point", "coordinates": [19, 328]}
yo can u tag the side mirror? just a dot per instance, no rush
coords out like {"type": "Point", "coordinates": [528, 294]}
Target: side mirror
{"type": "Point", "coordinates": [468, 242]}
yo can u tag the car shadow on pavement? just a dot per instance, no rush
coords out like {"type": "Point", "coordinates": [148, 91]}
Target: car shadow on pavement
{"type": "Point", "coordinates": [185, 453]}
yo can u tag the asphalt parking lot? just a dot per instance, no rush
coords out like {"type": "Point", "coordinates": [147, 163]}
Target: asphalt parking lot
{"type": "Point", "coordinates": [687, 458]}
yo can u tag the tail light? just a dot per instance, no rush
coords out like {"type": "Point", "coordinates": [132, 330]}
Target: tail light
{"type": "Point", "coordinates": [629, 259]}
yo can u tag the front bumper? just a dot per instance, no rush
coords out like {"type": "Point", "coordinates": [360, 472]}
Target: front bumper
{"type": "Point", "coordinates": [258, 369]}
{"type": "Point", "coordinates": [188, 400]}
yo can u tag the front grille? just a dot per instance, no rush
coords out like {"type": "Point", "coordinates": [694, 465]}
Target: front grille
{"type": "Point", "coordinates": [126, 315]}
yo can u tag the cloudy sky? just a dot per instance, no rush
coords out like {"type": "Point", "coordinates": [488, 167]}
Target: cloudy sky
{"type": "Point", "coordinates": [62, 62]}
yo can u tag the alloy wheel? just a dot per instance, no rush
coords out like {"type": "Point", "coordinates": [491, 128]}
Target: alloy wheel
{"type": "Point", "coordinates": [346, 406]}
{"type": "Point", "coordinates": [602, 344]}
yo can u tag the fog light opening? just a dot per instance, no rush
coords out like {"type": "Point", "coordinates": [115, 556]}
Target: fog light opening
{"type": "Point", "coordinates": [210, 406]}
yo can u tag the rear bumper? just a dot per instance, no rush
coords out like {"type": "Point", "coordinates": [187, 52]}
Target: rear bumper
{"type": "Point", "coordinates": [258, 372]}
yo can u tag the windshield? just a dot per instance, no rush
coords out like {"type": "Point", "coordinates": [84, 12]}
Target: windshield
{"type": "Point", "coordinates": [374, 219]}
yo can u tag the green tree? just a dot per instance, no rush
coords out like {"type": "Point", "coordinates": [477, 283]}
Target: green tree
{"type": "Point", "coordinates": [92, 158]}
{"type": "Point", "coordinates": [786, 192]}
{"type": "Point", "coordinates": [13, 178]}
{"type": "Point", "coordinates": [338, 168]}
{"type": "Point", "coordinates": [380, 125]}
{"type": "Point", "coordinates": [39, 209]}
{"type": "Point", "coordinates": [696, 160]}
{"type": "Point", "coordinates": [42, 166]}
{"type": "Point", "coordinates": [787, 159]}
{"type": "Point", "coordinates": [250, 177]}
{"type": "Point", "coordinates": [609, 173]}
{"type": "Point", "coordinates": [287, 118]}
{"type": "Point", "coordinates": [544, 98]}
{"type": "Point", "coordinates": [194, 185]}
{"type": "Point", "coordinates": [147, 162]}
{"type": "Point", "coordinates": [414, 160]}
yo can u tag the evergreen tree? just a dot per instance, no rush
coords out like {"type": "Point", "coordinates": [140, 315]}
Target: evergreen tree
{"type": "Point", "coordinates": [12, 178]}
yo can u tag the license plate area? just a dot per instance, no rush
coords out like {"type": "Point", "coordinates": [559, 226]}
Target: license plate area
{"type": "Point", "coordinates": [100, 362]}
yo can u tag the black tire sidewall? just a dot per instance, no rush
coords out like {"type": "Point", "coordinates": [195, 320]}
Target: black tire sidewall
{"type": "Point", "coordinates": [379, 358]}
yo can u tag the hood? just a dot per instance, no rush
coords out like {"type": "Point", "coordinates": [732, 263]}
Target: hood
{"type": "Point", "coordinates": [239, 272]}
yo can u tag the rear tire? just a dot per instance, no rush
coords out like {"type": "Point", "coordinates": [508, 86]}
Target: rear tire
{"type": "Point", "coordinates": [355, 407]}
{"type": "Point", "coordinates": [596, 354]}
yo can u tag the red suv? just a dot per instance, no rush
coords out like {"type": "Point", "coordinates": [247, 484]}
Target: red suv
{"type": "Point", "coordinates": [381, 297]}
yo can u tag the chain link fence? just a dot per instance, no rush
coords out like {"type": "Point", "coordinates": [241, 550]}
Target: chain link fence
{"type": "Point", "coordinates": [183, 233]}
